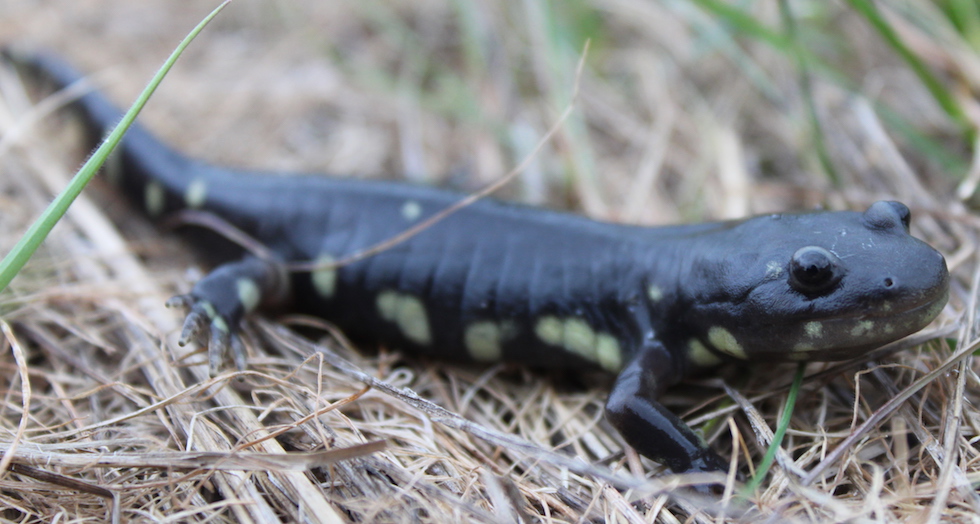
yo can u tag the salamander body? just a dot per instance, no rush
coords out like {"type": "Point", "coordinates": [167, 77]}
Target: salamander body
{"type": "Point", "coordinates": [501, 282]}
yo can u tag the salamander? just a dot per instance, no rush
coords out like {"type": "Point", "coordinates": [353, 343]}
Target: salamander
{"type": "Point", "coordinates": [503, 282]}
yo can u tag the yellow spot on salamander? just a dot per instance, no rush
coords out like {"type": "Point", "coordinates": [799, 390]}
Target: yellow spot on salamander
{"type": "Point", "coordinates": [579, 338]}
{"type": "Point", "coordinates": [575, 335]}
{"type": "Point", "coordinates": [483, 341]}
{"type": "Point", "coordinates": [154, 199]}
{"type": "Point", "coordinates": [387, 304]}
{"type": "Point", "coordinates": [248, 293]}
{"type": "Point", "coordinates": [803, 347]}
{"type": "Point", "coordinates": [934, 310]}
{"type": "Point", "coordinates": [196, 194]}
{"type": "Point", "coordinates": [609, 353]}
{"type": "Point", "coordinates": [411, 210]}
{"type": "Point", "coordinates": [549, 330]}
{"type": "Point", "coordinates": [724, 341]}
{"type": "Point", "coordinates": [217, 322]}
{"type": "Point", "coordinates": [813, 329]}
{"type": "Point", "coordinates": [408, 313]}
{"type": "Point", "coordinates": [209, 309]}
{"type": "Point", "coordinates": [655, 293]}
{"type": "Point", "coordinates": [701, 356]}
{"type": "Point", "coordinates": [413, 320]}
{"type": "Point", "coordinates": [862, 328]}
{"type": "Point", "coordinates": [773, 270]}
{"type": "Point", "coordinates": [325, 276]}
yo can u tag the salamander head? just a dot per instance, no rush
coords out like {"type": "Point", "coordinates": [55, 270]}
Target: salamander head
{"type": "Point", "coordinates": [819, 286]}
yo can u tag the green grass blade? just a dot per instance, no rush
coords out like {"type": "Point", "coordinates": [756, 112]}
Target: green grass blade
{"type": "Point", "coordinates": [806, 87]}
{"type": "Point", "coordinates": [777, 438]}
{"type": "Point", "coordinates": [943, 97]}
{"type": "Point", "coordinates": [965, 15]}
{"type": "Point", "coordinates": [744, 23]}
{"type": "Point", "coordinates": [741, 22]}
{"type": "Point", "coordinates": [29, 242]}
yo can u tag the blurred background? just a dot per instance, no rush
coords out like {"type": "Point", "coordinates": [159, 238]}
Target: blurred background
{"type": "Point", "coordinates": [686, 108]}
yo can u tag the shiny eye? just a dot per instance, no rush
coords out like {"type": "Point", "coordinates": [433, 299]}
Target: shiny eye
{"type": "Point", "coordinates": [814, 270]}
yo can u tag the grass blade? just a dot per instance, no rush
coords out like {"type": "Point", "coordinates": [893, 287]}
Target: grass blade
{"type": "Point", "coordinates": [31, 240]}
{"type": "Point", "coordinates": [777, 438]}
{"type": "Point", "coordinates": [943, 97]}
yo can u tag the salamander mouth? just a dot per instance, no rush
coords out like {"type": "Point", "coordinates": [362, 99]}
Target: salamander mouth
{"type": "Point", "coordinates": [847, 337]}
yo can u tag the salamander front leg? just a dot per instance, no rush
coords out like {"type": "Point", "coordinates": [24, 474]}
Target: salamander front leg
{"type": "Point", "coordinates": [219, 301]}
{"type": "Point", "coordinates": [649, 427]}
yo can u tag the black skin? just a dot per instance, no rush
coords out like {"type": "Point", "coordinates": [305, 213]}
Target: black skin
{"type": "Point", "coordinates": [496, 281]}
{"type": "Point", "coordinates": [650, 428]}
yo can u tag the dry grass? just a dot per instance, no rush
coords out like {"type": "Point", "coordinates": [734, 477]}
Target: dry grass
{"type": "Point", "coordinates": [677, 120]}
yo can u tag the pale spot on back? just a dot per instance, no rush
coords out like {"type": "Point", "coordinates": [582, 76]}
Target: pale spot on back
{"type": "Point", "coordinates": [862, 328]}
{"type": "Point", "coordinates": [483, 341]}
{"type": "Point", "coordinates": [700, 355]}
{"type": "Point", "coordinates": [724, 341]}
{"type": "Point", "coordinates": [813, 329]}
{"type": "Point", "coordinates": [579, 338]}
{"type": "Point", "coordinates": [408, 313]}
{"type": "Point", "coordinates": [575, 335]}
{"type": "Point", "coordinates": [325, 276]}
{"type": "Point", "coordinates": [196, 194]}
{"type": "Point", "coordinates": [411, 210]}
{"type": "Point", "coordinates": [773, 270]}
{"type": "Point", "coordinates": [549, 329]}
{"type": "Point", "coordinates": [248, 293]}
{"type": "Point", "coordinates": [154, 199]}
{"type": "Point", "coordinates": [609, 352]}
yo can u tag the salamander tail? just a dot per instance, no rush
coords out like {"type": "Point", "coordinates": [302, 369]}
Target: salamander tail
{"type": "Point", "coordinates": [144, 168]}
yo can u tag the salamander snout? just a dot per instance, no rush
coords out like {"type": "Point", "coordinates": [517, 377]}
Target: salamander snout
{"type": "Point", "coordinates": [920, 276]}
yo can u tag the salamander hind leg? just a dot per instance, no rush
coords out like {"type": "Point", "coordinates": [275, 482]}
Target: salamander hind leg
{"type": "Point", "coordinates": [219, 301]}
{"type": "Point", "coordinates": [648, 426]}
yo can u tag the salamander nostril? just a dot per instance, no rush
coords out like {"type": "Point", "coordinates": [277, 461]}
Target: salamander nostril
{"type": "Point", "coordinates": [889, 282]}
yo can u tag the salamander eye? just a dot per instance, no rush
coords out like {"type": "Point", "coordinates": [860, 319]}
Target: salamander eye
{"type": "Point", "coordinates": [814, 270]}
{"type": "Point", "coordinates": [887, 214]}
